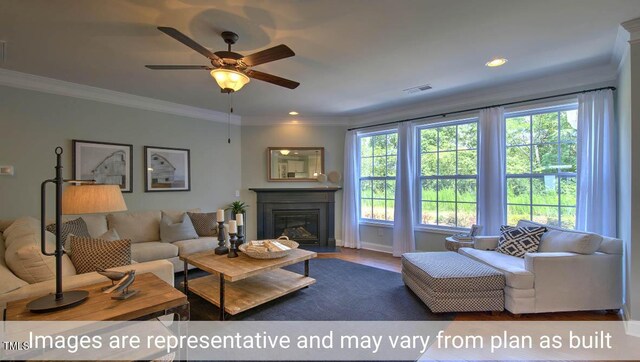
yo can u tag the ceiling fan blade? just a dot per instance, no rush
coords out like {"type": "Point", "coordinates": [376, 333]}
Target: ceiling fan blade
{"type": "Point", "coordinates": [265, 77]}
{"type": "Point", "coordinates": [178, 67]}
{"type": "Point", "coordinates": [177, 35]}
{"type": "Point", "coordinates": [268, 55]}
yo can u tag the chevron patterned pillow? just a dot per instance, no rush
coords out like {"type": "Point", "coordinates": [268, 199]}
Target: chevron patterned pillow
{"type": "Point", "coordinates": [77, 227]}
{"type": "Point", "coordinates": [517, 241]}
{"type": "Point", "coordinates": [88, 254]}
{"type": "Point", "coordinates": [204, 223]}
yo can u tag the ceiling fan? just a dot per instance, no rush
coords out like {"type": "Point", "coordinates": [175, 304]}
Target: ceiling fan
{"type": "Point", "coordinates": [231, 70]}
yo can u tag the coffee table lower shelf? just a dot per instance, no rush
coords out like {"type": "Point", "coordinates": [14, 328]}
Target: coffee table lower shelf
{"type": "Point", "coordinates": [247, 293]}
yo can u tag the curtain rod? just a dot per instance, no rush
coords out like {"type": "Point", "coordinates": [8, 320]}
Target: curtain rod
{"type": "Point", "coordinates": [480, 108]}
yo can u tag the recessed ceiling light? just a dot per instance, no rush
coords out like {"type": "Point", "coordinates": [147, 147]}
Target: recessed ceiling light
{"type": "Point", "coordinates": [496, 62]}
{"type": "Point", "coordinates": [293, 113]}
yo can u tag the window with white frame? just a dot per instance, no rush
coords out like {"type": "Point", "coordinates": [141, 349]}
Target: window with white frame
{"type": "Point", "coordinates": [448, 174]}
{"type": "Point", "coordinates": [377, 160]}
{"type": "Point", "coordinates": [541, 163]}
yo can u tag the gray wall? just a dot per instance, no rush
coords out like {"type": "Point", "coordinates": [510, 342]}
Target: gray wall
{"type": "Point", "coordinates": [628, 116]}
{"type": "Point", "coordinates": [256, 139]}
{"type": "Point", "coordinates": [32, 124]}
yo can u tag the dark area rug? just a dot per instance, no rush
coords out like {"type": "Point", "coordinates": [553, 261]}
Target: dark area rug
{"type": "Point", "coordinates": [343, 291]}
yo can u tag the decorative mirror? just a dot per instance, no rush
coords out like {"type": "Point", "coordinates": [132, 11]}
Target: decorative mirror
{"type": "Point", "coordinates": [295, 163]}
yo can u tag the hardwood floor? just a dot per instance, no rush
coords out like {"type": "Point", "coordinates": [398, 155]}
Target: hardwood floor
{"type": "Point", "coordinates": [388, 262]}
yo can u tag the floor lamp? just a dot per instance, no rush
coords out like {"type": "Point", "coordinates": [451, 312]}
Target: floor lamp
{"type": "Point", "coordinates": [83, 197]}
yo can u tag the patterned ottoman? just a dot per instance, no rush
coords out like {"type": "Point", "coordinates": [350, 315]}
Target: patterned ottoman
{"type": "Point", "coordinates": [450, 282]}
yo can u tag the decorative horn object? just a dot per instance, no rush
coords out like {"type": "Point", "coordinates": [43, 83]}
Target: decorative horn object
{"type": "Point", "coordinates": [122, 285]}
{"type": "Point", "coordinates": [112, 275]}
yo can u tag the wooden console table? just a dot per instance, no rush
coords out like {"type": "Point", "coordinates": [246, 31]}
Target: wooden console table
{"type": "Point", "coordinates": [155, 298]}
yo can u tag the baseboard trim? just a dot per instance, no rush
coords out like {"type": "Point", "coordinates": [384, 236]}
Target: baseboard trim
{"type": "Point", "coordinates": [377, 247]}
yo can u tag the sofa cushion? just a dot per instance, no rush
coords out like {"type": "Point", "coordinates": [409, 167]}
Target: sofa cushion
{"type": "Point", "coordinates": [136, 226]}
{"type": "Point", "coordinates": [205, 223]}
{"type": "Point", "coordinates": [558, 239]}
{"type": "Point", "coordinates": [155, 250]}
{"type": "Point", "coordinates": [191, 246]}
{"type": "Point", "coordinates": [89, 254]}
{"type": "Point", "coordinates": [10, 282]}
{"type": "Point", "coordinates": [517, 241]}
{"type": "Point", "coordinates": [173, 230]}
{"type": "Point", "coordinates": [4, 224]}
{"type": "Point", "coordinates": [76, 227]}
{"type": "Point", "coordinates": [610, 246]}
{"type": "Point", "coordinates": [23, 256]}
{"type": "Point", "coordinates": [512, 267]}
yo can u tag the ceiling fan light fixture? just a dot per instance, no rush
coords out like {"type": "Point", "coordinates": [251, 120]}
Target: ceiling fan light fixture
{"type": "Point", "coordinates": [229, 80]}
{"type": "Point", "coordinates": [496, 62]}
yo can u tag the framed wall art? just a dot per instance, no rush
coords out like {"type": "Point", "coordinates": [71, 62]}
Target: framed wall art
{"type": "Point", "coordinates": [105, 163]}
{"type": "Point", "coordinates": [167, 169]}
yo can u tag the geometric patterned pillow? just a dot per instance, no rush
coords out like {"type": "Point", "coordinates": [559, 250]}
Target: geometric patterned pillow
{"type": "Point", "coordinates": [76, 227]}
{"type": "Point", "coordinates": [517, 241]}
{"type": "Point", "coordinates": [204, 223]}
{"type": "Point", "coordinates": [89, 255]}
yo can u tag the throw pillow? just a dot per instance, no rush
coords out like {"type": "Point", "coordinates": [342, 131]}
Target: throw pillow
{"type": "Point", "coordinates": [77, 227]}
{"type": "Point", "coordinates": [109, 235]}
{"type": "Point", "coordinates": [205, 223]}
{"type": "Point", "coordinates": [517, 241]}
{"type": "Point", "coordinates": [171, 231]}
{"type": "Point", "coordinates": [88, 254]}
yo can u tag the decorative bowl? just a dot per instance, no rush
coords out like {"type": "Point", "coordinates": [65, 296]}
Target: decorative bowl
{"type": "Point", "coordinates": [266, 254]}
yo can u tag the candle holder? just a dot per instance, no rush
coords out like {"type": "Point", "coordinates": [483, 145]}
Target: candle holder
{"type": "Point", "coordinates": [233, 250]}
{"type": "Point", "coordinates": [240, 236]}
{"type": "Point", "coordinates": [222, 248]}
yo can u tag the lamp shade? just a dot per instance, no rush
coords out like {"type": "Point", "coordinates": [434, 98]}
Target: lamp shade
{"type": "Point", "coordinates": [229, 79]}
{"type": "Point", "coordinates": [92, 199]}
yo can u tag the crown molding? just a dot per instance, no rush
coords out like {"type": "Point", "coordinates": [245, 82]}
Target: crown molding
{"type": "Point", "coordinates": [297, 120]}
{"type": "Point", "coordinates": [537, 86]}
{"type": "Point", "coordinates": [633, 27]}
{"type": "Point", "coordinates": [620, 48]}
{"type": "Point", "coordinates": [15, 79]}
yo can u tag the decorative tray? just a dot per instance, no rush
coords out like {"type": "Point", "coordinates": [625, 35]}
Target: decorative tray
{"type": "Point", "coordinates": [264, 253]}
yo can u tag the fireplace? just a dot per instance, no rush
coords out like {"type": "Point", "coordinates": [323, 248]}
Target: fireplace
{"type": "Point", "coordinates": [301, 225]}
{"type": "Point", "coordinates": [304, 215]}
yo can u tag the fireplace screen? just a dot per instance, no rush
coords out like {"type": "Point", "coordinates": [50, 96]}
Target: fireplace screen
{"type": "Point", "coordinates": [299, 225]}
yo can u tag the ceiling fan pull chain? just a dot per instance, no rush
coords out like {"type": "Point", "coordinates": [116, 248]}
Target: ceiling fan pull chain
{"type": "Point", "coordinates": [229, 121]}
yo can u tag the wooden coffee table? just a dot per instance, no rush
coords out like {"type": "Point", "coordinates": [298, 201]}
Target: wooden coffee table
{"type": "Point", "coordinates": [155, 298]}
{"type": "Point", "coordinates": [239, 284]}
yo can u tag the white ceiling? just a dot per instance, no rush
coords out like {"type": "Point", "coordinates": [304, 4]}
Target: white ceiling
{"type": "Point", "coordinates": [352, 56]}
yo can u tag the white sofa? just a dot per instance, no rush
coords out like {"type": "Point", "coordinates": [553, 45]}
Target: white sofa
{"type": "Point", "coordinates": [148, 253]}
{"type": "Point", "coordinates": [572, 271]}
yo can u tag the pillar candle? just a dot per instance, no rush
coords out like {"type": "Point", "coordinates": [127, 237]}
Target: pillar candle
{"type": "Point", "coordinates": [233, 228]}
{"type": "Point", "coordinates": [220, 215]}
{"type": "Point", "coordinates": [239, 219]}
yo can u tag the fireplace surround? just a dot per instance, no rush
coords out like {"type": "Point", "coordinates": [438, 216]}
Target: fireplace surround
{"type": "Point", "coordinates": [306, 215]}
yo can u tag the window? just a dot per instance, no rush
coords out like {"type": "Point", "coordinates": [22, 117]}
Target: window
{"type": "Point", "coordinates": [541, 166]}
{"type": "Point", "coordinates": [448, 174]}
{"type": "Point", "coordinates": [378, 175]}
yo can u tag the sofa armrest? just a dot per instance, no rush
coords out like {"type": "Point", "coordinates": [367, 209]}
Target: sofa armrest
{"type": "Point", "coordinates": [485, 242]}
{"type": "Point", "coordinates": [591, 281]}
